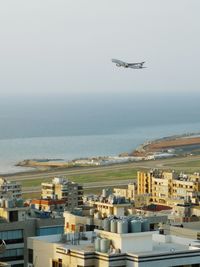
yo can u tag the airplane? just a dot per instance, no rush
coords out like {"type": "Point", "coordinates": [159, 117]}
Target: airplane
{"type": "Point", "coordinates": [120, 63]}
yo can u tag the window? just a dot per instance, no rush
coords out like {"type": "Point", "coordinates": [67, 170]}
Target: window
{"type": "Point", "coordinates": [12, 254]}
{"type": "Point", "coordinates": [13, 216]}
{"type": "Point", "coordinates": [57, 263]}
{"type": "Point", "coordinates": [50, 230]}
{"type": "Point", "coordinates": [30, 255]}
{"type": "Point", "coordinates": [12, 237]}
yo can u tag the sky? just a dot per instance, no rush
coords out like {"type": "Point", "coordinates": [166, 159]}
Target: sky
{"type": "Point", "coordinates": [56, 47]}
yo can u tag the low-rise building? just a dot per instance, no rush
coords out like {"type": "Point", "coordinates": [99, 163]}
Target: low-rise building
{"type": "Point", "coordinates": [129, 193]}
{"type": "Point", "coordinates": [48, 205]}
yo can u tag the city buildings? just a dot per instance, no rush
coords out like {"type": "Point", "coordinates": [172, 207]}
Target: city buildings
{"type": "Point", "coordinates": [107, 206]}
{"type": "Point", "coordinates": [169, 187]}
{"type": "Point", "coordinates": [14, 230]}
{"type": "Point", "coordinates": [18, 221]}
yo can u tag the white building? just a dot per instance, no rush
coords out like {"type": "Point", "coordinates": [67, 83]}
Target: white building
{"type": "Point", "coordinates": [114, 249]}
{"type": "Point", "coordinates": [10, 189]}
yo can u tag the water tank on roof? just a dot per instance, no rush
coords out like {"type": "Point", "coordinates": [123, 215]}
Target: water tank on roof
{"type": "Point", "coordinates": [106, 225]}
{"type": "Point", "coordinates": [136, 226]}
{"type": "Point", "coordinates": [104, 245]}
{"type": "Point", "coordinates": [104, 193]}
{"type": "Point", "coordinates": [97, 244]}
{"type": "Point", "coordinates": [113, 226]}
{"type": "Point", "coordinates": [145, 225]}
{"type": "Point", "coordinates": [122, 226]}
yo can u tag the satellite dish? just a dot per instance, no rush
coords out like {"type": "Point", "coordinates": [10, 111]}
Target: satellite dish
{"type": "Point", "coordinates": [2, 245]}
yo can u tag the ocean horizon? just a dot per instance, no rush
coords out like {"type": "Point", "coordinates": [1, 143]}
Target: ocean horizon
{"type": "Point", "coordinates": [77, 127]}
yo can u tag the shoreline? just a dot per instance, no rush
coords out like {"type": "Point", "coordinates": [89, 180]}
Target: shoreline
{"type": "Point", "coordinates": [47, 165]}
{"type": "Point", "coordinates": [165, 147]}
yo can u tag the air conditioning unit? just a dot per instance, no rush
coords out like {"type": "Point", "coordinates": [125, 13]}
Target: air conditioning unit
{"type": "Point", "coordinates": [30, 265]}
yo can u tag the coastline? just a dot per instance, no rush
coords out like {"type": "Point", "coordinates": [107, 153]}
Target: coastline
{"type": "Point", "coordinates": [165, 147]}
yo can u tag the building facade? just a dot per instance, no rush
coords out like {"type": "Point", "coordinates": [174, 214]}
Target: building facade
{"type": "Point", "coordinates": [169, 187]}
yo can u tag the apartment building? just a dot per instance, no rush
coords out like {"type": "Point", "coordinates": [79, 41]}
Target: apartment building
{"type": "Point", "coordinates": [10, 189]}
{"type": "Point", "coordinates": [63, 189]}
{"type": "Point", "coordinates": [169, 187]}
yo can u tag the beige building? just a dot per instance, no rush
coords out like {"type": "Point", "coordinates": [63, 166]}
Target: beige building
{"type": "Point", "coordinates": [88, 222]}
{"type": "Point", "coordinates": [169, 187]}
{"type": "Point", "coordinates": [104, 209]}
{"type": "Point", "coordinates": [63, 189]}
{"type": "Point", "coordinates": [129, 193]}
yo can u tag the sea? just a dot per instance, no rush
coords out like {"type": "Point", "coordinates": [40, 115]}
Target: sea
{"type": "Point", "coordinates": [72, 126]}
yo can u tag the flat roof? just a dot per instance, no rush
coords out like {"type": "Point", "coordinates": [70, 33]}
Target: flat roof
{"type": "Point", "coordinates": [160, 246]}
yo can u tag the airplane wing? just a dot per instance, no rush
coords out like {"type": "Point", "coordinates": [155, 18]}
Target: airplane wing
{"type": "Point", "coordinates": [117, 61]}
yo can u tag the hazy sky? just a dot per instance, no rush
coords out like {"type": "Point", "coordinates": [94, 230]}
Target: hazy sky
{"type": "Point", "coordinates": [57, 46]}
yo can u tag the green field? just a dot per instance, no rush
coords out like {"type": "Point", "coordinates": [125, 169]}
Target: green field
{"type": "Point", "coordinates": [100, 176]}
{"type": "Point", "coordinates": [186, 164]}
{"type": "Point", "coordinates": [130, 172]}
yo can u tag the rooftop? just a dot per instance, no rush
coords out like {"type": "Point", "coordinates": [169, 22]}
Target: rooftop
{"type": "Point", "coordinates": [161, 244]}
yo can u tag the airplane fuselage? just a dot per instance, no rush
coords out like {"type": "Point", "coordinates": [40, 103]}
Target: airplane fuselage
{"type": "Point", "coordinates": [120, 63]}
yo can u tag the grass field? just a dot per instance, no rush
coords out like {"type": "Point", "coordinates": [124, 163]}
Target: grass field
{"type": "Point", "coordinates": [187, 164]}
{"type": "Point", "coordinates": [130, 172]}
{"type": "Point", "coordinates": [104, 175]}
